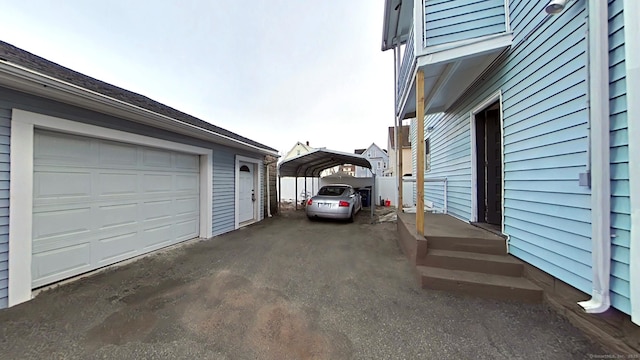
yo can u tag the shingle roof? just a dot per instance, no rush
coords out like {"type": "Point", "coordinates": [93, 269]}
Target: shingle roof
{"type": "Point", "coordinates": [17, 56]}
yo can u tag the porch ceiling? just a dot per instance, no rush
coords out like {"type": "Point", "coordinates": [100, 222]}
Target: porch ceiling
{"type": "Point", "coordinates": [314, 162]}
{"type": "Point", "coordinates": [445, 82]}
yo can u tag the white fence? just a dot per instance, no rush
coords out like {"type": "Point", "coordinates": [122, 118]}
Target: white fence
{"type": "Point", "coordinates": [289, 188]}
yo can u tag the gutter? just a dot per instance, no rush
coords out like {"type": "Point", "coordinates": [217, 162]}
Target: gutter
{"type": "Point", "coordinates": [24, 79]}
{"type": "Point", "coordinates": [632, 62]}
{"type": "Point", "coordinates": [599, 134]}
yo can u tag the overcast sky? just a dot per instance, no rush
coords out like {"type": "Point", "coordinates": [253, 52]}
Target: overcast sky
{"type": "Point", "coordinates": [276, 71]}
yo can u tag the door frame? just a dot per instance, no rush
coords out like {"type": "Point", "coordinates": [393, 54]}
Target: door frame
{"type": "Point", "coordinates": [495, 97]}
{"type": "Point", "coordinates": [257, 165]}
{"type": "Point", "coordinates": [23, 125]}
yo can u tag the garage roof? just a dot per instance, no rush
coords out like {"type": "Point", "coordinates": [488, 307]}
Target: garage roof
{"type": "Point", "coordinates": [311, 164]}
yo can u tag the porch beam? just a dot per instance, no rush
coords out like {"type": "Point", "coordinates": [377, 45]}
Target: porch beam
{"type": "Point", "coordinates": [420, 151]}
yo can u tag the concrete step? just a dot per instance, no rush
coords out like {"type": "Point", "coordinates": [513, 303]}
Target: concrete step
{"type": "Point", "coordinates": [479, 284]}
{"type": "Point", "coordinates": [484, 263]}
{"type": "Point", "coordinates": [490, 245]}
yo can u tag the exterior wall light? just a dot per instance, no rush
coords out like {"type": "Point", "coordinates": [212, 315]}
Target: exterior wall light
{"type": "Point", "coordinates": [555, 6]}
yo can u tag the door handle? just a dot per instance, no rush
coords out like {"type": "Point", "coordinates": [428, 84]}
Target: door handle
{"type": "Point", "coordinates": [253, 196]}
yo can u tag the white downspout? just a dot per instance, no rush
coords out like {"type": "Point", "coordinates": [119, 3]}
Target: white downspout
{"type": "Point", "coordinates": [631, 9]}
{"type": "Point", "coordinates": [599, 133]}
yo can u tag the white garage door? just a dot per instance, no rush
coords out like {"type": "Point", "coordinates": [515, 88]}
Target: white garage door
{"type": "Point", "coordinates": [98, 202]}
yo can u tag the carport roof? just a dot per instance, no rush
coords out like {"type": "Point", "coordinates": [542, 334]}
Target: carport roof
{"type": "Point", "coordinates": [312, 163]}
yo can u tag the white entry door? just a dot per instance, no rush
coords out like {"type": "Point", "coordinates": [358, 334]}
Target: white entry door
{"type": "Point", "coordinates": [247, 192]}
{"type": "Point", "coordinates": [97, 202]}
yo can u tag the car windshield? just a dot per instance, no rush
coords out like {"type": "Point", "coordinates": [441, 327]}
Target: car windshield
{"type": "Point", "coordinates": [332, 190]}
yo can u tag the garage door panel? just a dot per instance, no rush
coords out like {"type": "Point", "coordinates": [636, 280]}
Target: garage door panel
{"type": "Point", "coordinates": [157, 210]}
{"type": "Point", "coordinates": [117, 154]}
{"type": "Point", "coordinates": [155, 237]}
{"type": "Point", "coordinates": [117, 183]}
{"type": "Point", "coordinates": [117, 202]}
{"type": "Point", "coordinates": [60, 263]}
{"type": "Point", "coordinates": [189, 182]}
{"type": "Point", "coordinates": [187, 206]}
{"type": "Point", "coordinates": [61, 222]}
{"type": "Point", "coordinates": [70, 185]}
{"type": "Point", "coordinates": [116, 248]}
{"type": "Point", "coordinates": [156, 158]}
{"type": "Point", "coordinates": [186, 229]}
{"type": "Point", "coordinates": [153, 183]}
{"type": "Point", "coordinates": [117, 215]}
{"type": "Point", "coordinates": [63, 149]}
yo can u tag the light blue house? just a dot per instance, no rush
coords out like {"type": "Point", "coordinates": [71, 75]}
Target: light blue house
{"type": "Point", "coordinates": [532, 115]}
{"type": "Point", "coordinates": [92, 174]}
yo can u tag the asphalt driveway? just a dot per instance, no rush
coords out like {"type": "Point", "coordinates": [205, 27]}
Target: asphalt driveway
{"type": "Point", "coordinates": [285, 288]}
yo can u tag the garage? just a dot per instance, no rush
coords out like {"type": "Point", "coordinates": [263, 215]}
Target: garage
{"type": "Point", "coordinates": [97, 202]}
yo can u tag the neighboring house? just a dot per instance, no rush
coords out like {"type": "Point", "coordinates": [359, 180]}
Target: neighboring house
{"type": "Point", "coordinates": [532, 120]}
{"type": "Point", "coordinates": [93, 174]}
{"type": "Point", "coordinates": [297, 150]}
{"type": "Point", "coordinates": [404, 149]}
{"type": "Point", "coordinates": [378, 158]}
{"type": "Point", "coordinates": [347, 169]}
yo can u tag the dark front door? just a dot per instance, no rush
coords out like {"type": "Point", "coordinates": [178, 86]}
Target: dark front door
{"type": "Point", "coordinates": [489, 165]}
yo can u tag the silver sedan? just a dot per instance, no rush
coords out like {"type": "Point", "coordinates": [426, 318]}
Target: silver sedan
{"type": "Point", "coordinates": [334, 202]}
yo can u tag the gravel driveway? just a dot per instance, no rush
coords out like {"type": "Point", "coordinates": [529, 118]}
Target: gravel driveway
{"type": "Point", "coordinates": [285, 288]}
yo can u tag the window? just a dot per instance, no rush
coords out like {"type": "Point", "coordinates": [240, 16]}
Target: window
{"type": "Point", "coordinates": [427, 155]}
{"type": "Point", "coordinates": [298, 152]}
{"type": "Point", "coordinates": [379, 165]}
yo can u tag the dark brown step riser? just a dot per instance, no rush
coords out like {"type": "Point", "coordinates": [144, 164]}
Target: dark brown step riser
{"type": "Point", "coordinates": [482, 290]}
{"type": "Point", "coordinates": [495, 249]}
{"type": "Point", "coordinates": [475, 265]}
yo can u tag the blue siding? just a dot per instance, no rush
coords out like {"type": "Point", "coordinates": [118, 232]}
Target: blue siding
{"type": "Point", "coordinates": [448, 21]}
{"type": "Point", "coordinates": [619, 140]}
{"type": "Point", "coordinates": [5, 133]}
{"type": "Point", "coordinates": [224, 176]}
{"type": "Point", "coordinates": [544, 101]}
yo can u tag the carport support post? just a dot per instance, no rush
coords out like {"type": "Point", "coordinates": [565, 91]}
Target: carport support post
{"type": "Point", "coordinates": [295, 196]}
{"type": "Point", "coordinates": [279, 194]}
{"type": "Point", "coordinates": [372, 196]}
{"type": "Point", "coordinates": [420, 151]}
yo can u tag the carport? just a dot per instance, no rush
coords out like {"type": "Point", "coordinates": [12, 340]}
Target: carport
{"type": "Point", "coordinates": [313, 163]}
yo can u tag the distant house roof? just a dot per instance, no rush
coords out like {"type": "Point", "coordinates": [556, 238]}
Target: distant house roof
{"type": "Point", "coordinates": [404, 135]}
{"type": "Point", "coordinates": [25, 59]}
{"type": "Point", "coordinates": [359, 151]}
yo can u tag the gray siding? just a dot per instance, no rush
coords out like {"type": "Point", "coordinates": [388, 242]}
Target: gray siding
{"type": "Point", "coordinates": [224, 175]}
{"type": "Point", "coordinates": [5, 133]}
{"type": "Point", "coordinates": [224, 161]}
{"type": "Point", "coordinates": [619, 141]}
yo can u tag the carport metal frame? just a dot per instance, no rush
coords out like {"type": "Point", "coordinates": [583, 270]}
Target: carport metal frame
{"type": "Point", "coordinates": [316, 161]}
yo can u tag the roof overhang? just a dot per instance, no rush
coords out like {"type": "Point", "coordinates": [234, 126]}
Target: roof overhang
{"type": "Point", "coordinates": [398, 15]}
{"type": "Point", "coordinates": [25, 80]}
{"type": "Point", "coordinates": [313, 163]}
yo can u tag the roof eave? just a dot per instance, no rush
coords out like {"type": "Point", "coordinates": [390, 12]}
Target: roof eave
{"type": "Point", "coordinates": [32, 82]}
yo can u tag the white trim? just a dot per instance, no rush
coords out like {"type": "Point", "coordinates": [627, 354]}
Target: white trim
{"type": "Point", "coordinates": [256, 183]}
{"type": "Point", "coordinates": [23, 124]}
{"type": "Point", "coordinates": [462, 49]}
{"type": "Point", "coordinates": [507, 16]}
{"type": "Point", "coordinates": [632, 63]}
{"type": "Point", "coordinates": [20, 212]}
{"type": "Point", "coordinates": [496, 96]}
{"type": "Point", "coordinates": [599, 133]}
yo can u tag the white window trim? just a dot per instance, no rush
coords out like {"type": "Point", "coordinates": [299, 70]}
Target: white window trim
{"type": "Point", "coordinates": [497, 96]}
{"type": "Point", "coordinates": [23, 124]}
{"type": "Point", "coordinates": [256, 184]}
